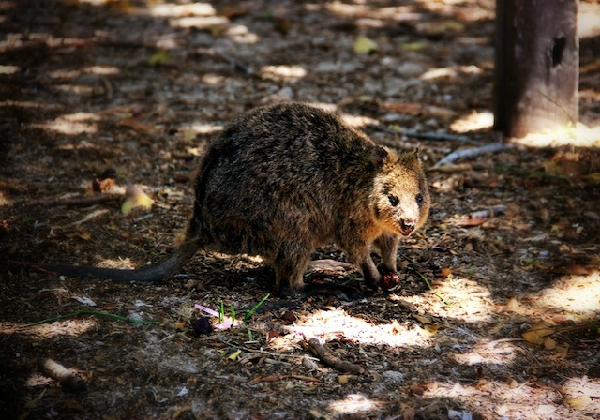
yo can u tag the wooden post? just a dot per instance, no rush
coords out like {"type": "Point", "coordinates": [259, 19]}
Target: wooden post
{"type": "Point", "coordinates": [537, 64]}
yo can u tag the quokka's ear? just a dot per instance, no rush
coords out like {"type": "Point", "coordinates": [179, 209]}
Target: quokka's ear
{"type": "Point", "coordinates": [378, 156]}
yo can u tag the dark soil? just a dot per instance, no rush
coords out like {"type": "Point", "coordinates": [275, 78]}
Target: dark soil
{"type": "Point", "coordinates": [496, 315]}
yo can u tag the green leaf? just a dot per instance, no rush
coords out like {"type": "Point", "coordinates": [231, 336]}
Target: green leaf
{"type": "Point", "coordinates": [251, 311]}
{"type": "Point", "coordinates": [364, 45]}
{"type": "Point", "coordinates": [159, 58]}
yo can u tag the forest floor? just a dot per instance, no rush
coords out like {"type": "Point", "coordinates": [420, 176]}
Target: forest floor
{"type": "Point", "coordinates": [497, 312]}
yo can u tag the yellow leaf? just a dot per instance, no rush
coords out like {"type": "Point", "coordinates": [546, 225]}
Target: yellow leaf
{"type": "Point", "coordinates": [579, 403]}
{"type": "Point", "coordinates": [561, 351]}
{"type": "Point", "coordinates": [234, 355]}
{"type": "Point", "coordinates": [413, 46]}
{"type": "Point", "coordinates": [537, 333]}
{"type": "Point", "coordinates": [159, 58]}
{"type": "Point", "coordinates": [431, 329]}
{"type": "Point", "coordinates": [364, 45]}
{"type": "Point", "coordinates": [593, 178]}
{"type": "Point", "coordinates": [552, 167]}
{"type": "Point", "coordinates": [135, 197]}
{"type": "Point", "coordinates": [85, 236]}
{"type": "Point", "coordinates": [549, 343]}
{"type": "Point", "coordinates": [422, 319]}
{"type": "Point", "coordinates": [344, 379]}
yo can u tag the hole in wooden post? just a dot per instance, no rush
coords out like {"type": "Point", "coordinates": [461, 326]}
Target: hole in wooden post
{"type": "Point", "coordinates": [558, 47]}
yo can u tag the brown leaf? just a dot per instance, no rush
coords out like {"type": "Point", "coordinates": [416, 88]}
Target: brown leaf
{"type": "Point", "coordinates": [472, 221]}
{"type": "Point", "coordinates": [578, 270]}
{"type": "Point", "coordinates": [537, 333]}
{"type": "Point", "coordinates": [418, 389]}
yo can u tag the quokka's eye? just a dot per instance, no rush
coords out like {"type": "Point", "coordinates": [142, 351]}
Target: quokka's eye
{"type": "Point", "coordinates": [419, 199]}
{"type": "Point", "coordinates": [393, 200]}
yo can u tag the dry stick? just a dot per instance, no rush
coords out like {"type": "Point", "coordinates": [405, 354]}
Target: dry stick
{"type": "Point", "coordinates": [232, 61]}
{"type": "Point", "coordinates": [469, 153]}
{"type": "Point", "coordinates": [61, 374]}
{"type": "Point", "coordinates": [274, 378]}
{"type": "Point", "coordinates": [314, 346]}
{"type": "Point", "coordinates": [79, 201]}
{"type": "Point", "coordinates": [428, 135]}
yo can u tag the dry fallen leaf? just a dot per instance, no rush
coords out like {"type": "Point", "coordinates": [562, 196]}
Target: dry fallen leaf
{"type": "Point", "coordinates": [512, 305]}
{"type": "Point", "coordinates": [549, 343]}
{"type": "Point", "coordinates": [537, 333]}
{"type": "Point", "coordinates": [579, 403]}
{"type": "Point", "coordinates": [422, 319]}
{"type": "Point", "coordinates": [472, 221]}
{"type": "Point", "coordinates": [135, 197]}
{"type": "Point", "coordinates": [431, 329]}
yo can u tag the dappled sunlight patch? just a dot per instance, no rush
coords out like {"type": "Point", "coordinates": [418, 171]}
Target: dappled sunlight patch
{"type": "Point", "coordinates": [213, 79]}
{"type": "Point", "coordinates": [193, 9]}
{"type": "Point", "coordinates": [337, 323]}
{"type": "Point", "coordinates": [509, 399]}
{"type": "Point", "coordinates": [102, 70]}
{"type": "Point", "coordinates": [288, 74]}
{"type": "Point", "coordinates": [583, 394]}
{"type": "Point", "coordinates": [353, 120]}
{"type": "Point", "coordinates": [451, 73]}
{"type": "Point", "coordinates": [440, 73]}
{"type": "Point", "coordinates": [576, 294]}
{"type": "Point", "coordinates": [202, 128]}
{"type": "Point", "coordinates": [75, 89]}
{"type": "Point", "coordinates": [72, 327]}
{"type": "Point", "coordinates": [355, 404]}
{"type": "Point", "coordinates": [64, 73]}
{"type": "Point", "coordinates": [473, 121]}
{"type": "Point", "coordinates": [9, 69]}
{"type": "Point", "coordinates": [359, 121]}
{"type": "Point", "coordinates": [358, 11]}
{"type": "Point", "coordinates": [76, 123]}
{"type": "Point", "coordinates": [466, 11]}
{"type": "Point", "coordinates": [458, 298]}
{"type": "Point", "coordinates": [325, 106]}
{"type": "Point", "coordinates": [200, 22]}
{"type": "Point", "coordinates": [37, 105]}
{"type": "Point", "coordinates": [580, 135]}
{"type": "Point", "coordinates": [498, 352]}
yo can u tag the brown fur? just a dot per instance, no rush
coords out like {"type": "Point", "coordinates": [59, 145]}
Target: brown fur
{"type": "Point", "coordinates": [287, 178]}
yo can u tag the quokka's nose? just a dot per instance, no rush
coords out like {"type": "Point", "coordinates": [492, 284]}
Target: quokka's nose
{"type": "Point", "coordinates": [407, 225]}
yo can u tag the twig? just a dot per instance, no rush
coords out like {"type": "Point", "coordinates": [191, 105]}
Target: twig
{"type": "Point", "coordinates": [428, 135]}
{"type": "Point", "coordinates": [66, 377]}
{"type": "Point", "coordinates": [470, 153]}
{"type": "Point", "coordinates": [274, 378]}
{"type": "Point", "coordinates": [494, 211]}
{"type": "Point", "coordinates": [314, 346]}
{"type": "Point", "coordinates": [260, 352]}
{"type": "Point", "coordinates": [78, 201]}
{"type": "Point", "coordinates": [452, 168]}
{"type": "Point", "coordinates": [95, 313]}
{"type": "Point", "coordinates": [232, 61]}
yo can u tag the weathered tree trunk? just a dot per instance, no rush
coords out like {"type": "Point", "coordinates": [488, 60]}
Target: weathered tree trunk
{"type": "Point", "coordinates": [537, 63]}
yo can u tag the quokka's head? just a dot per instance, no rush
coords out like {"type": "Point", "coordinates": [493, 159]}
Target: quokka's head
{"type": "Point", "coordinates": [399, 200]}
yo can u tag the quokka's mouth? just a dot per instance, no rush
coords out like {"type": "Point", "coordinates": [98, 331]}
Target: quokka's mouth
{"type": "Point", "coordinates": [406, 227]}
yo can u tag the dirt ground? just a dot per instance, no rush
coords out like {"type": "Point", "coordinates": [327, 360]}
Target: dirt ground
{"type": "Point", "coordinates": [497, 311]}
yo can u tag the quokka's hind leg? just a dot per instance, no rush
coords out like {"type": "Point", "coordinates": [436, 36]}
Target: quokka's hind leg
{"type": "Point", "coordinates": [388, 245]}
{"type": "Point", "coordinates": [362, 258]}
